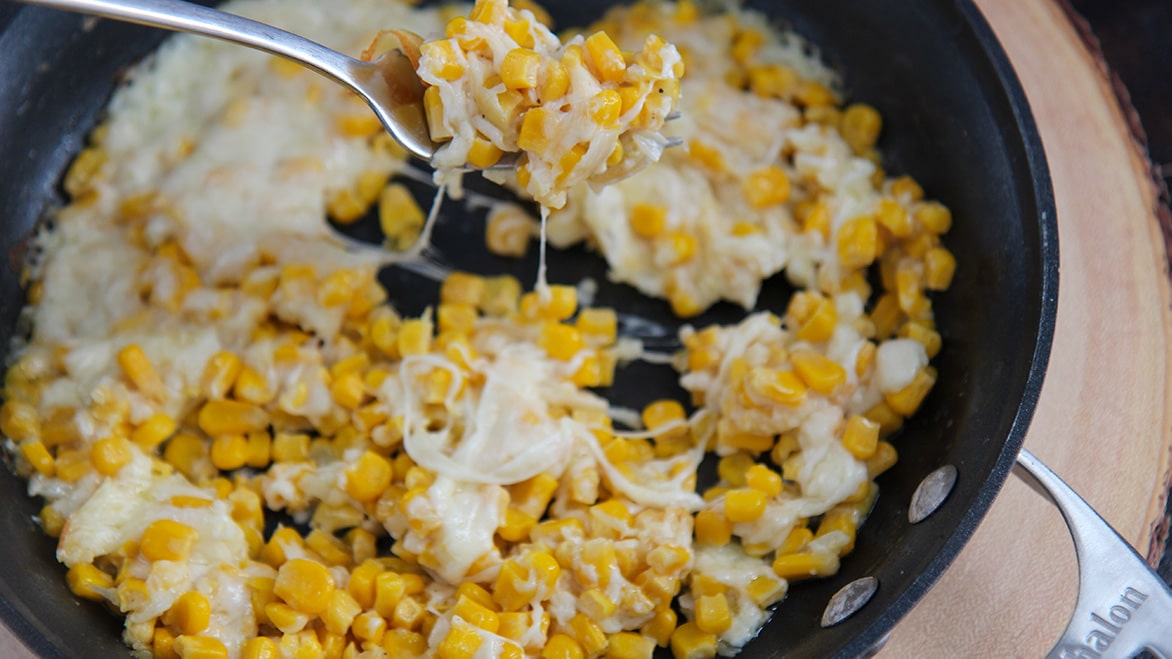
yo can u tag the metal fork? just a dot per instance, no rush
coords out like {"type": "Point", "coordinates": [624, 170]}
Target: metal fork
{"type": "Point", "coordinates": [1123, 606]}
{"type": "Point", "coordinates": [388, 84]}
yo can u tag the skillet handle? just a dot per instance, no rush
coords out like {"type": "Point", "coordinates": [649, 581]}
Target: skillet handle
{"type": "Point", "coordinates": [1123, 606]}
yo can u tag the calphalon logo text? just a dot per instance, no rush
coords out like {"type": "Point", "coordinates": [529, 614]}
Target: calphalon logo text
{"type": "Point", "coordinates": [1107, 627]}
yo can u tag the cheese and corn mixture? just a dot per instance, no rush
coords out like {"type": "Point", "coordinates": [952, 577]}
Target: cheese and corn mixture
{"type": "Point", "coordinates": [775, 175]}
{"type": "Point", "coordinates": [201, 356]}
{"type": "Point", "coordinates": [583, 111]}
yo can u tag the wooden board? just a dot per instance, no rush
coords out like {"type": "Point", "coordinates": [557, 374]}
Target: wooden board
{"type": "Point", "coordinates": [1102, 422]}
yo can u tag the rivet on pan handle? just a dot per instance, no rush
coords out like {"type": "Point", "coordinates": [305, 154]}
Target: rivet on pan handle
{"type": "Point", "coordinates": [1123, 607]}
{"type": "Point", "coordinates": [931, 492]}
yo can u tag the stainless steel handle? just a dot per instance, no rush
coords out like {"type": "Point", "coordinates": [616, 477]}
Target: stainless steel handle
{"type": "Point", "coordinates": [188, 17]}
{"type": "Point", "coordinates": [1123, 607]}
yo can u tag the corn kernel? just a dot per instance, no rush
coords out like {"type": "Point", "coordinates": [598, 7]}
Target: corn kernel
{"type": "Point", "coordinates": [861, 437]}
{"type": "Point", "coordinates": [744, 505]}
{"type": "Point", "coordinates": [38, 456]}
{"type": "Point", "coordinates": [167, 540]}
{"type": "Point", "coordinates": [939, 267]}
{"type": "Point", "coordinates": [648, 220]}
{"type": "Point", "coordinates": [443, 59]}
{"type": "Point", "coordinates": [305, 585]}
{"type": "Point", "coordinates": [399, 215]}
{"type": "Point", "coordinates": [220, 374]}
{"type": "Point", "coordinates": [762, 478]}
{"type": "Point", "coordinates": [229, 417]}
{"type": "Point", "coordinates": [784, 387]}
{"type": "Point", "coordinates": [191, 613]}
{"type": "Point", "coordinates": [803, 565]}
{"type": "Point", "coordinates": [87, 581]}
{"type": "Point", "coordinates": [861, 125]}
{"type": "Point", "coordinates": [153, 431]}
{"type": "Point", "coordinates": [200, 647]}
{"type": "Point", "coordinates": [368, 477]}
{"type": "Point", "coordinates": [138, 368]}
{"type": "Point", "coordinates": [561, 646]}
{"type": "Point", "coordinates": [605, 108]}
{"type": "Point", "coordinates": [660, 627]}
{"type": "Point", "coordinates": [229, 452]}
{"type": "Point", "coordinates": [520, 68]}
{"type": "Point", "coordinates": [688, 641]}
{"type": "Point", "coordinates": [907, 400]}
{"type": "Point", "coordinates": [712, 528]}
{"type": "Point", "coordinates": [934, 217]}
{"type": "Point", "coordinates": [712, 614]}
{"type": "Point", "coordinates": [858, 242]}
{"type": "Point", "coordinates": [767, 187]}
{"type": "Point", "coordinates": [259, 647]}
{"type": "Point", "coordinates": [819, 372]}
{"type": "Point", "coordinates": [604, 58]}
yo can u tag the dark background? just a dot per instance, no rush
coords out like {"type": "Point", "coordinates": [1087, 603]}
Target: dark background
{"type": "Point", "coordinates": [1135, 39]}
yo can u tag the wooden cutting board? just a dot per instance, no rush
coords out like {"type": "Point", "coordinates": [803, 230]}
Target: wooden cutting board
{"type": "Point", "coordinates": [1102, 422]}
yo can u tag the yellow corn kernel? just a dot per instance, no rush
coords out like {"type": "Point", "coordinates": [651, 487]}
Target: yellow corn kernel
{"type": "Point", "coordinates": [812, 93]}
{"type": "Point", "coordinates": [712, 614]}
{"type": "Point", "coordinates": [444, 59]}
{"type": "Point", "coordinates": [906, 188]}
{"type": "Point", "coordinates": [605, 108]}
{"type": "Point", "coordinates": [348, 391]}
{"type": "Point", "coordinates": [389, 590]}
{"type": "Point", "coordinates": [520, 68]}
{"type": "Point", "coordinates": [934, 217]}
{"type": "Point", "coordinates": [87, 581]}
{"type": "Point", "coordinates": [795, 541]}
{"type": "Point", "coordinates": [329, 547]}
{"type": "Point", "coordinates": [433, 107]}
{"type": "Point", "coordinates": [409, 613]}
{"type": "Point", "coordinates": [663, 412]}
{"type": "Point", "coordinates": [733, 468]}
{"type": "Point", "coordinates": [138, 368]}
{"type": "Point", "coordinates": [461, 642]}
{"type": "Point", "coordinates": [894, 218]}
{"type": "Point", "coordinates": [616, 155]}
{"type": "Point", "coordinates": [199, 647]}
{"type": "Point", "coordinates": [841, 519]}
{"type": "Point", "coordinates": [561, 646]}
{"type": "Point", "coordinates": [516, 525]}
{"type": "Point", "coordinates": [305, 585]}
{"type": "Point", "coordinates": [478, 594]}
{"type": "Point", "coordinates": [532, 136]}
{"type": "Point", "coordinates": [772, 80]}
{"type": "Point", "coordinates": [601, 324]}
{"type": "Point", "coordinates": [560, 341]}
{"type": "Point", "coordinates": [259, 450]}
{"type": "Point", "coordinates": [229, 452]}
{"type": "Point", "coordinates": [399, 215]}
{"type": "Point", "coordinates": [765, 590]}
{"type": "Point", "coordinates": [404, 644]}
{"type": "Point", "coordinates": [259, 647]}
{"type": "Point", "coordinates": [368, 477]}
{"type": "Point", "coordinates": [886, 315]}
{"type": "Point", "coordinates": [907, 400]}
{"type": "Point", "coordinates": [476, 614]}
{"type": "Point", "coordinates": [532, 496]}
{"type": "Point", "coordinates": [857, 242]}
{"type": "Point", "coordinates": [19, 420]}
{"type": "Point", "coordinates": [939, 267]}
{"type": "Point", "coordinates": [229, 417]}
{"type": "Point", "coordinates": [604, 58]}
{"type": "Point", "coordinates": [555, 81]}
{"type": "Point", "coordinates": [819, 325]}
{"type": "Point", "coordinates": [861, 125]}
{"type": "Point", "coordinates": [688, 641]}
{"type": "Point", "coordinates": [712, 528]}
{"type": "Point", "coordinates": [483, 154]}
{"type": "Point", "coordinates": [220, 374]}
{"type": "Point", "coordinates": [363, 583]}
{"type": "Point", "coordinates": [463, 288]}
{"type": "Point", "coordinates": [286, 618]}
{"type": "Point", "coordinates": [648, 220]}
{"type": "Point", "coordinates": [588, 634]}
{"type": "Point", "coordinates": [884, 458]}
{"type": "Point", "coordinates": [190, 613]}
{"type": "Point", "coordinates": [683, 247]}
{"type": "Point", "coordinates": [39, 458]}
{"type": "Point", "coordinates": [861, 437]}
{"type": "Point", "coordinates": [660, 627]}
{"type": "Point", "coordinates": [929, 338]}
{"type": "Point", "coordinates": [72, 465]}
{"type": "Point", "coordinates": [369, 626]}
{"type": "Point", "coordinates": [765, 480]}
{"type": "Point", "coordinates": [153, 431]}
{"type": "Point", "coordinates": [766, 187]}
{"type": "Point", "coordinates": [414, 338]}
{"type": "Point", "coordinates": [802, 565]}
{"type": "Point", "coordinates": [888, 419]}
{"type": "Point", "coordinates": [784, 387]}
{"type": "Point", "coordinates": [453, 317]}
{"type": "Point", "coordinates": [819, 372]}
{"type": "Point", "coordinates": [628, 645]}
{"type": "Point", "coordinates": [744, 505]}
{"type": "Point", "coordinates": [167, 540]}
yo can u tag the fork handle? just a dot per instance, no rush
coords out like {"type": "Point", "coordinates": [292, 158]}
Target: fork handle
{"type": "Point", "coordinates": [189, 17]}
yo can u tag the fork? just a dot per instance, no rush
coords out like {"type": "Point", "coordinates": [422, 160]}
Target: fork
{"type": "Point", "coordinates": [389, 84]}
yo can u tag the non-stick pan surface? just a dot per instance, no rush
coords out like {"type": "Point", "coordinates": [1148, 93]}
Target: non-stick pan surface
{"type": "Point", "coordinates": [955, 119]}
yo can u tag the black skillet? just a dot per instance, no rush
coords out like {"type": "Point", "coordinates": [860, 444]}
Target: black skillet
{"type": "Point", "coordinates": [955, 118]}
